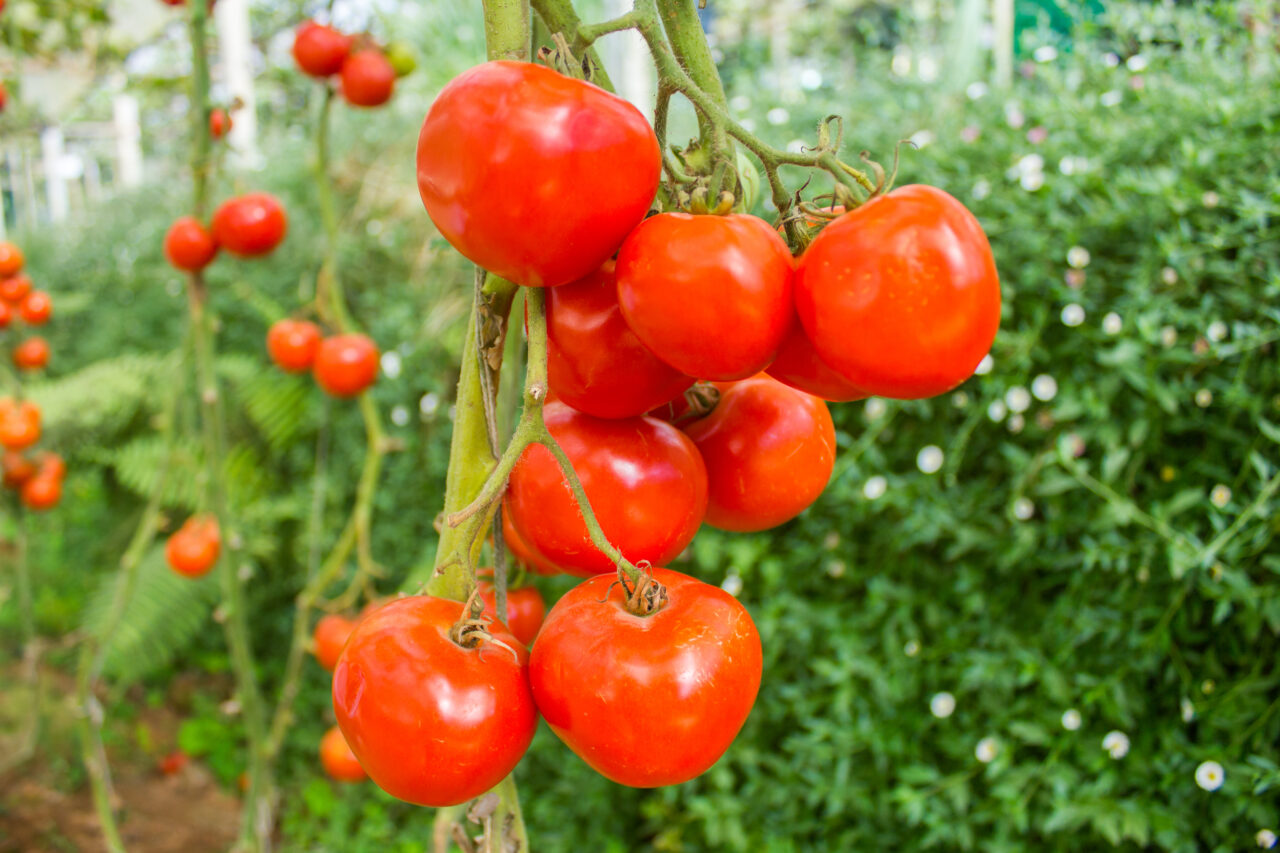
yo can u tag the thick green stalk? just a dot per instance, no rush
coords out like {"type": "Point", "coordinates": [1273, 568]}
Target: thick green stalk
{"type": "Point", "coordinates": [689, 43]}
{"type": "Point", "coordinates": [561, 17]}
{"type": "Point", "coordinates": [507, 30]}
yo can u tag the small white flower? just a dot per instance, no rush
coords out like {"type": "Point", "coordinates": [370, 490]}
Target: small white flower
{"type": "Point", "coordinates": [1136, 63]}
{"type": "Point", "coordinates": [911, 648]}
{"type": "Point", "coordinates": [921, 138]}
{"type": "Point", "coordinates": [1168, 336]}
{"type": "Point", "coordinates": [1112, 324]}
{"type": "Point", "coordinates": [997, 411]}
{"type": "Point", "coordinates": [1071, 720]}
{"type": "Point", "coordinates": [739, 103]}
{"type": "Point", "coordinates": [1116, 744]}
{"type": "Point", "coordinates": [1111, 60]}
{"type": "Point", "coordinates": [960, 400]}
{"type": "Point", "coordinates": [1169, 276]}
{"type": "Point", "coordinates": [1031, 181]}
{"type": "Point", "coordinates": [1030, 164]}
{"type": "Point", "coordinates": [1044, 387]}
{"type": "Point", "coordinates": [1016, 424]}
{"type": "Point", "coordinates": [732, 584]}
{"type": "Point", "coordinates": [1111, 98]}
{"type": "Point", "coordinates": [1204, 398]}
{"type": "Point", "coordinates": [399, 416]}
{"type": "Point", "coordinates": [1210, 199]}
{"type": "Point", "coordinates": [391, 364]}
{"type": "Point", "coordinates": [777, 116]}
{"type": "Point", "coordinates": [810, 79]}
{"type": "Point", "coordinates": [1210, 775]}
{"type": "Point", "coordinates": [929, 459]}
{"type": "Point", "coordinates": [1266, 839]}
{"type": "Point", "coordinates": [984, 366]}
{"type": "Point", "coordinates": [1045, 53]}
{"type": "Point", "coordinates": [942, 705]}
{"type": "Point", "coordinates": [1067, 165]}
{"type": "Point", "coordinates": [875, 487]}
{"type": "Point", "coordinates": [976, 90]}
{"type": "Point", "coordinates": [875, 409]}
{"type": "Point", "coordinates": [1188, 710]}
{"type": "Point", "coordinates": [835, 568]}
{"type": "Point", "coordinates": [1220, 496]}
{"type": "Point", "coordinates": [986, 750]}
{"type": "Point", "coordinates": [981, 189]}
{"type": "Point", "coordinates": [1018, 399]}
{"type": "Point", "coordinates": [1217, 331]}
{"type": "Point", "coordinates": [1073, 315]}
{"type": "Point", "coordinates": [1078, 257]}
{"type": "Point", "coordinates": [1023, 509]}
{"type": "Point", "coordinates": [429, 404]}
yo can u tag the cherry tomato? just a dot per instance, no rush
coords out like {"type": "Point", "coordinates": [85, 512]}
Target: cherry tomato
{"type": "Point", "coordinates": [6, 315]}
{"type": "Point", "coordinates": [292, 344]}
{"type": "Point", "coordinates": [799, 366]}
{"type": "Point", "coordinates": [36, 308]}
{"type": "Point", "coordinates": [337, 758]}
{"type": "Point", "coordinates": [595, 362]}
{"type": "Point", "coordinates": [368, 79]}
{"type": "Point", "coordinates": [52, 465]}
{"type": "Point", "coordinates": [913, 274]}
{"type": "Point", "coordinates": [709, 295]}
{"type": "Point", "coordinates": [525, 607]}
{"type": "Point", "coordinates": [769, 450]}
{"type": "Point", "coordinates": [4, 93]}
{"type": "Point", "coordinates": [193, 550]}
{"type": "Point", "coordinates": [331, 634]}
{"type": "Point", "coordinates": [522, 551]}
{"type": "Point", "coordinates": [652, 700]}
{"type": "Point", "coordinates": [320, 50]}
{"type": "Point", "coordinates": [346, 365]}
{"type": "Point", "coordinates": [173, 763]}
{"type": "Point", "coordinates": [433, 722]}
{"type": "Point", "coordinates": [219, 123]}
{"type": "Point", "coordinates": [31, 354]}
{"type": "Point", "coordinates": [17, 469]}
{"type": "Point", "coordinates": [41, 492]}
{"type": "Point", "coordinates": [535, 176]}
{"type": "Point", "coordinates": [11, 259]}
{"type": "Point", "coordinates": [644, 479]}
{"type": "Point", "coordinates": [15, 288]}
{"type": "Point", "coordinates": [19, 423]}
{"type": "Point", "coordinates": [250, 225]}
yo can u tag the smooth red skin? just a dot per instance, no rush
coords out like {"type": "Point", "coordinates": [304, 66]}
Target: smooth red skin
{"type": "Point", "coordinates": [900, 296]}
{"type": "Point", "coordinates": [320, 50]}
{"type": "Point", "coordinates": [368, 79]}
{"type": "Point", "coordinates": [595, 363]}
{"type": "Point", "coordinates": [11, 259]}
{"type": "Point", "coordinates": [293, 344]}
{"type": "Point", "coordinates": [647, 701]}
{"type": "Point", "coordinates": [643, 477]}
{"type": "Point", "coordinates": [250, 225]}
{"type": "Point", "coordinates": [52, 465]}
{"type": "Point", "coordinates": [219, 123]}
{"type": "Point", "coordinates": [431, 722]}
{"type": "Point", "coordinates": [6, 314]}
{"type": "Point", "coordinates": [522, 551]}
{"type": "Point", "coordinates": [709, 295]}
{"type": "Point", "coordinates": [173, 763]}
{"type": "Point", "coordinates": [337, 758]}
{"type": "Point", "coordinates": [19, 424]}
{"type": "Point", "coordinates": [769, 450]}
{"type": "Point", "coordinates": [37, 308]}
{"type": "Point", "coordinates": [346, 365]}
{"type": "Point", "coordinates": [330, 635]}
{"type": "Point", "coordinates": [193, 550]}
{"type": "Point", "coordinates": [17, 469]}
{"type": "Point", "coordinates": [535, 176]}
{"type": "Point", "coordinates": [42, 492]}
{"type": "Point", "coordinates": [798, 365]}
{"type": "Point", "coordinates": [525, 609]}
{"type": "Point", "coordinates": [188, 245]}
{"type": "Point", "coordinates": [15, 288]}
{"type": "Point", "coordinates": [31, 354]}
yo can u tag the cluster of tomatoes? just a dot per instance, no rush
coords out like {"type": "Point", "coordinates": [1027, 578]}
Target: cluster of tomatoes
{"type": "Point", "coordinates": [344, 365]}
{"type": "Point", "coordinates": [366, 73]}
{"type": "Point", "coordinates": [248, 226]}
{"type": "Point", "coordinates": [20, 302]}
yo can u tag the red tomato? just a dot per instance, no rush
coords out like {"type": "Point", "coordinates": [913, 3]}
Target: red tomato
{"type": "Point", "coordinates": [193, 550]}
{"type": "Point", "coordinates": [17, 469]}
{"type": "Point", "coordinates": [11, 259]}
{"type": "Point", "coordinates": [337, 758]}
{"type": "Point", "coordinates": [4, 93]}
{"type": "Point", "coordinates": [15, 288]}
{"type": "Point", "coordinates": [595, 362]}
{"type": "Point", "coordinates": [517, 543]}
{"type": "Point", "coordinates": [173, 763]}
{"type": "Point", "coordinates": [525, 608]}
{"type": "Point", "coordinates": [31, 354]}
{"type": "Point", "coordinates": [799, 366]}
{"type": "Point", "coordinates": [644, 479]}
{"type": "Point", "coordinates": [769, 451]}
{"type": "Point", "coordinates": [292, 344]}
{"type": "Point", "coordinates": [36, 308]}
{"type": "Point", "coordinates": [535, 176]}
{"type": "Point", "coordinates": [331, 634]}
{"type": "Point", "coordinates": [219, 123]}
{"type": "Point", "coordinates": [709, 295]}
{"type": "Point", "coordinates": [432, 722]}
{"type": "Point", "coordinates": [42, 492]}
{"type": "Point", "coordinates": [52, 465]}
{"type": "Point", "coordinates": [19, 423]}
{"type": "Point", "coordinates": [346, 365]}
{"type": "Point", "coordinates": [652, 700]}
{"type": "Point", "coordinates": [368, 79]}
{"type": "Point", "coordinates": [250, 225]}
{"type": "Point", "coordinates": [320, 50]}
{"type": "Point", "coordinates": [913, 274]}
{"type": "Point", "coordinates": [6, 314]}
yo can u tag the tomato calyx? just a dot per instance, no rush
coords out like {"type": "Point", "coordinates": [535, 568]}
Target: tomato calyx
{"type": "Point", "coordinates": [644, 595]}
{"type": "Point", "coordinates": [560, 59]}
{"type": "Point", "coordinates": [471, 631]}
{"type": "Point", "coordinates": [698, 401]}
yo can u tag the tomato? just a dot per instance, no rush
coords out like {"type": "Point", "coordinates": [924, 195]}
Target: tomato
{"type": "Point", "coordinates": [525, 608]}
{"type": "Point", "coordinates": [173, 763]}
{"type": "Point", "coordinates": [798, 365]}
{"type": "Point", "coordinates": [11, 259]}
{"type": "Point", "coordinates": [433, 722]}
{"type": "Point", "coordinates": [42, 492]}
{"type": "Point", "coordinates": [292, 344]}
{"type": "Point", "coordinates": [219, 123]}
{"type": "Point", "coordinates": [36, 308]}
{"type": "Point", "coordinates": [535, 176]}
{"type": "Point", "coordinates": [19, 423]}
{"type": "Point", "coordinates": [31, 354]}
{"type": "Point", "coordinates": [337, 758]}
{"type": "Point", "coordinates": [346, 365]}
{"type": "Point", "coordinates": [519, 546]}
{"type": "Point", "coordinates": [193, 550]}
{"type": "Point", "coordinates": [52, 465]}
{"type": "Point", "coordinates": [368, 79]}
{"type": "Point", "coordinates": [6, 315]}
{"type": "Point", "coordinates": [330, 636]}
{"type": "Point", "coordinates": [595, 362]}
{"type": "Point", "coordinates": [709, 295]}
{"type": "Point", "coordinates": [17, 469]}
{"type": "Point", "coordinates": [15, 288]}
{"type": "Point", "coordinates": [320, 50]}
{"type": "Point", "coordinates": [250, 225]}
{"type": "Point", "coordinates": [913, 274]}
{"type": "Point", "coordinates": [769, 450]}
{"type": "Point", "coordinates": [4, 93]}
{"type": "Point", "coordinates": [644, 479]}
{"type": "Point", "coordinates": [647, 700]}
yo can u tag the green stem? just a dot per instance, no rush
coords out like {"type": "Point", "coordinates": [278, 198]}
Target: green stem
{"type": "Point", "coordinates": [507, 29]}
{"type": "Point", "coordinates": [30, 642]}
{"type": "Point", "coordinates": [689, 44]}
{"type": "Point", "coordinates": [561, 17]}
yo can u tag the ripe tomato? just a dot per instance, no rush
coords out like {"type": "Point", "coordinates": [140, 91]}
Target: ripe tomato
{"type": "Point", "coordinates": [292, 344]}
{"type": "Point", "coordinates": [173, 763]}
{"type": "Point", "coordinates": [250, 225]}
{"type": "Point", "coordinates": [913, 274]}
{"type": "Point", "coordinates": [337, 758]}
{"type": "Point", "coordinates": [799, 366]}
{"type": "Point", "coordinates": [644, 479]}
{"type": "Point", "coordinates": [52, 465]}
{"type": "Point", "coordinates": [525, 608]}
{"type": "Point", "coordinates": [6, 314]}
{"type": "Point", "coordinates": [368, 79]}
{"type": "Point", "coordinates": [219, 123]}
{"type": "Point", "coordinates": [17, 469]}
{"type": "Point", "coordinates": [41, 492]}
{"type": "Point", "coordinates": [432, 722]}
{"type": "Point", "coordinates": [15, 288]}
{"type": "Point", "coordinates": [320, 50]}
{"type": "Point", "coordinates": [521, 550]}
{"type": "Point", "coordinates": [31, 354]}
{"type": "Point", "coordinates": [193, 550]}
{"type": "Point", "coordinates": [19, 423]}
{"type": "Point", "coordinates": [535, 176]}
{"type": "Point", "coordinates": [4, 93]}
{"type": "Point", "coordinates": [346, 365]}
{"type": "Point", "coordinates": [36, 308]}
{"type": "Point", "coordinates": [709, 295]}
{"type": "Point", "coordinates": [330, 636]}
{"type": "Point", "coordinates": [595, 362]}
{"type": "Point", "coordinates": [11, 259]}
{"type": "Point", "coordinates": [769, 451]}
{"type": "Point", "coordinates": [653, 700]}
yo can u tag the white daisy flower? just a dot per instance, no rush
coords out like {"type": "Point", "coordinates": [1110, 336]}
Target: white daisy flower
{"type": "Point", "coordinates": [1169, 276]}
{"type": "Point", "coordinates": [1210, 775]}
{"type": "Point", "coordinates": [1044, 387]}
{"type": "Point", "coordinates": [875, 487]}
{"type": "Point", "coordinates": [1016, 423]}
{"type": "Point", "coordinates": [1023, 509]}
{"type": "Point", "coordinates": [1116, 743]}
{"type": "Point", "coordinates": [399, 416]}
{"type": "Point", "coordinates": [1220, 496]}
{"type": "Point", "coordinates": [1112, 324]}
{"type": "Point", "coordinates": [429, 404]}
{"type": "Point", "coordinates": [987, 750]}
{"type": "Point", "coordinates": [391, 364]}
{"type": "Point", "coordinates": [1188, 710]}
{"type": "Point", "coordinates": [1078, 257]}
{"type": "Point", "coordinates": [1045, 53]}
{"type": "Point", "coordinates": [997, 410]}
{"type": "Point", "coordinates": [1111, 98]}
{"type": "Point", "coordinates": [1217, 331]}
{"type": "Point", "coordinates": [911, 648]}
{"type": "Point", "coordinates": [732, 584]}
{"type": "Point", "coordinates": [1266, 839]}
{"type": "Point", "coordinates": [874, 409]}
{"type": "Point", "coordinates": [984, 366]}
{"type": "Point", "coordinates": [1018, 399]}
{"type": "Point", "coordinates": [929, 459]}
{"type": "Point", "coordinates": [1071, 720]}
{"type": "Point", "coordinates": [942, 705]}
{"type": "Point", "coordinates": [1073, 315]}
{"type": "Point", "coordinates": [1204, 398]}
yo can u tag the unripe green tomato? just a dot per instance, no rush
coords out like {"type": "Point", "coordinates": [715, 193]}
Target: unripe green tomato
{"type": "Point", "coordinates": [402, 58]}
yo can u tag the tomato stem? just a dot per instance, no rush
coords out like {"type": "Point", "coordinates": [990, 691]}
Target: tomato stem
{"type": "Point", "coordinates": [30, 642]}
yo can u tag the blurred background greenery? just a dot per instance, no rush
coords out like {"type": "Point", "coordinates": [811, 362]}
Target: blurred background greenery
{"type": "Point", "coordinates": [1023, 616]}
